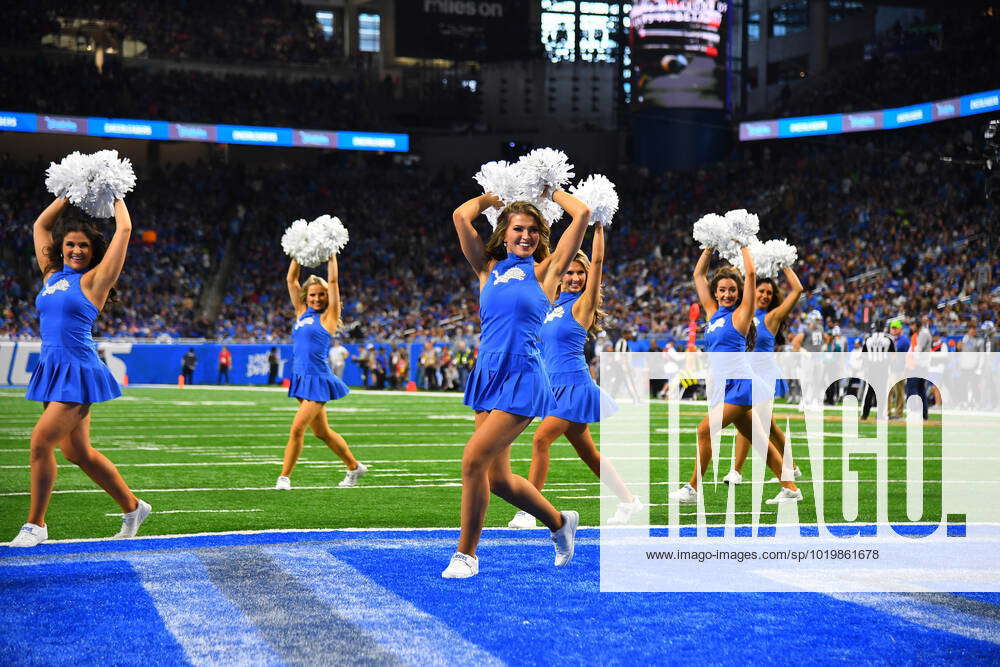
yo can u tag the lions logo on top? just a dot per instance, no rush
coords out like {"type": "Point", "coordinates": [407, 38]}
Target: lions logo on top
{"type": "Point", "coordinates": [302, 323]}
{"type": "Point", "coordinates": [59, 286]}
{"type": "Point", "coordinates": [717, 324]}
{"type": "Point", "coordinates": [555, 313]}
{"type": "Point", "coordinates": [513, 273]}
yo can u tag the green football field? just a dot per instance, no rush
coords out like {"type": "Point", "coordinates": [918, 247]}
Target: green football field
{"type": "Point", "coordinates": [206, 459]}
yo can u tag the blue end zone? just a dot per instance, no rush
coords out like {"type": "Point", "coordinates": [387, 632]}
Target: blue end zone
{"type": "Point", "coordinates": [94, 613]}
{"type": "Point", "coordinates": [92, 607]}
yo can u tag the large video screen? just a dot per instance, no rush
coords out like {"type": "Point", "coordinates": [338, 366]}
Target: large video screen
{"type": "Point", "coordinates": [678, 50]}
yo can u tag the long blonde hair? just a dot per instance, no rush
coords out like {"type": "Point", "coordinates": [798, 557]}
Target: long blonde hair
{"type": "Point", "coordinates": [495, 244]}
{"type": "Point", "coordinates": [599, 315]}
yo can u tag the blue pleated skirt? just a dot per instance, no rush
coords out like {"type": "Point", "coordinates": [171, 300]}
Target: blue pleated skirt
{"type": "Point", "coordinates": [514, 383]}
{"type": "Point", "coordinates": [71, 375]}
{"type": "Point", "coordinates": [737, 392]}
{"type": "Point", "coordinates": [319, 387]}
{"type": "Point", "coordinates": [579, 399]}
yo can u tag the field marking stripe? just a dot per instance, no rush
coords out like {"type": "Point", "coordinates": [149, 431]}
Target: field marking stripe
{"type": "Point", "coordinates": [330, 464]}
{"type": "Point", "coordinates": [374, 487]}
{"type": "Point", "coordinates": [932, 611]}
{"type": "Point", "coordinates": [294, 621]}
{"type": "Point", "coordinates": [412, 634]}
{"type": "Point", "coordinates": [191, 511]}
{"type": "Point", "coordinates": [207, 625]}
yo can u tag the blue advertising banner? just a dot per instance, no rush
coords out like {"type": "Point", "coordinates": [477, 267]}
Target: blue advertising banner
{"type": "Point", "coordinates": [160, 130]}
{"type": "Point", "coordinates": [863, 121]}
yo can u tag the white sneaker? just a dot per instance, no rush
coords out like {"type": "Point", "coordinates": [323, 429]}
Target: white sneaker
{"type": "Point", "coordinates": [686, 495]}
{"type": "Point", "coordinates": [31, 535]}
{"type": "Point", "coordinates": [625, 512]}
{"type": "Point", "coordinates": [283, 483]}
{"type": "Point", "coordinates": [134, 519]}
{"type": "Point", "coordinates": [352, 476]}
{"type": "Point", "coordinates": [565, 537]}
{"type": "Point", "coordinates": [733, 478]}
{"type": "Point", "coordinates": [461, 567]}
{"type": "Point", "coordinates": [796, 471]}
{"type": "Point", "coordinates": [522, 520]}
{"type": "Point", "coordinates": [786, 496]}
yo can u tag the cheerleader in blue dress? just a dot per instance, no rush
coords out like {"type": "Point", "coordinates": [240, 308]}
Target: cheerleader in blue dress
{"type": "Point", "coordinates": [575, 315]}
{"type": "Point", "coordinates": [317, 316]}
{"type": "Point", "coordinates": [769, 318]}
{"type": "Point", "coordinates": [728, 303]}
{"type": "Point", "coordinates": [508, 387]}
{"type": "Point", "coordinates": [79, 270]}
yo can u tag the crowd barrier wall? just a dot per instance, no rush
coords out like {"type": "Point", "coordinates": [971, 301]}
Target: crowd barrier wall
{"type": "Point", "coordinates": [160, 363]}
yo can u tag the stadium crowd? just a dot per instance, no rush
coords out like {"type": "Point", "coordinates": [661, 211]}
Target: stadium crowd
{"type": "Point", "coordinates": [250, 31]}
{"type": "Point", "coordinates": [908, 65]}
{"type": "Point", "coordinates": [896, 234]}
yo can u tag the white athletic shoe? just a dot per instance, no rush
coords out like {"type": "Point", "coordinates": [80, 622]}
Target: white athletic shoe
{"type": "Point", "coordinates": [352, 476]}
{"type": "Point", "coordinates": [461, 567]}
{"type": "Point", "coordinates": [686, 495]}
{"type": "Point", "coordinates": [796, 471]}
{"type": "Point", "coordinates": [565, 538]}
{"type": "Point", "coordinates": [522, 520]}
{"type": "Point", "coordinates": [31, 535]}
{"type": "Point", "coordinates": [283, 483]}
{"type": "Point", "coordinates": [132, 520]}
{"type": "Point", "coordinates": [625, 511]}
{"type": "Point", "coordinates": [785, 496]}
{"type": "Point", "coordinates": [733, 478]}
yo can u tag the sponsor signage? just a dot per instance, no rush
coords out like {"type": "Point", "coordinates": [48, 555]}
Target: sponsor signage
{"type": "Point", "coordinates": [864, 121]}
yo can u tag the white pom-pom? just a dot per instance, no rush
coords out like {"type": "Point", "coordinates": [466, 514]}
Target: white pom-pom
{"type": "Point", "coordinates": [526, 180]}
{"type": "Point", "coordinates": [599, 194]}
{"type": "Point", "coordinates": [713, 231]}
{"type": "Point", "coordinates": [771, 257]}
{"type": "Point", "coordinates": [492, 215]}
{"type": "Point", "coordinates": [92, 182]}
{"type": "Point", "coordinates": [327, 236]}
{"type": "Point", "coordinates": [295, 240]}
{"type": "Point", "coordinates": [551, 211]}
{"type": "Point", "coordinates": [745, 225]}
{"type": "Point", "coordinates": [544, 168]}
{"type": "Point", "coordinates": [502, 179]}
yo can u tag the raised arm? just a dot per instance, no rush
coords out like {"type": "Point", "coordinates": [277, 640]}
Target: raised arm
{"type": "Point", "coordinates": [97, 283]}
{"type": "Point", "coordinates": [331, 316]}
{"type": "Point", "coordinates": [549, 271]}
{"type": "Point", "coordinates": [744, 313]}
{"type": "Point", "coordinates": [708, 304]}
{"type": "Point", "coordinates": [472, 245]}
{"type": "Point", "coordinates": [776, 317]}
{"type": "Point", "coordinates": [294, 288]}
{"type": "Point", "coordinates": [43, 231]}
{"type": "Point", "coordinates": [586, 306]}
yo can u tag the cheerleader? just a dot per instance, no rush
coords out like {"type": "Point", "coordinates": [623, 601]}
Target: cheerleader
{"type": "Point", "coordinates": [508, 387]}
{"type": "Point", "coordinates": [79, 270]}
{"type": "Point", "coordinates": [575, 315]}
{"type": "Point", "coordinates": [728, 303]}
{"type": "Point", "coordinates": [317, 316]}
{"type": "Point", "coordinates": [769, 318]}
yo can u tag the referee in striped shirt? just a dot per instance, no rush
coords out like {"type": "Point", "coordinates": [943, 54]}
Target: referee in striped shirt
{"type": "Point", "coordinates": [875, 348]}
